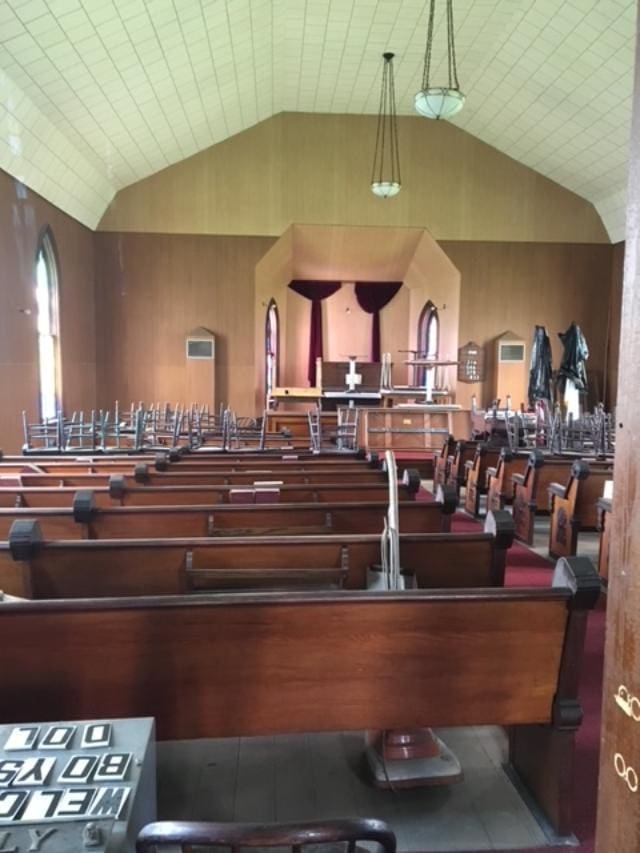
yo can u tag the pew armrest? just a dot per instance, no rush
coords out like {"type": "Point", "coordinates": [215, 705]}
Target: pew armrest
{"type": "Point", "coordinates": [491, 472]}
{"type": "Point", "coordinates": [556, 490]}
{"type": "Point", "coordinates": [517, 479]}
{"type": "Point", "coordinates": [468, 464]}
{"type": "Point", "coordinates": [500, 523]}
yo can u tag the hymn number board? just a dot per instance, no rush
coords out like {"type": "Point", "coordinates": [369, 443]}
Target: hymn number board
{"type": "Point", "coordinates": [56, 776]}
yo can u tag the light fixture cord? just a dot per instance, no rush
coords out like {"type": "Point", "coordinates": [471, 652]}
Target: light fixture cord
{"type": "Point", "coordinates": [387, 127]}
{"type": "Point", "coordinates": [427, 52]}
{"type": "Point", "coordinates": [395, 154]}
{"type": "Point", "coordinates": [451, 48]}
{"type": "Point", "coordinates": [379, 150]}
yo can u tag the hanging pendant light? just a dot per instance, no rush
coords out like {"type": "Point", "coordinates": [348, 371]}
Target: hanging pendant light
{"type": "Point", "coordinates": [440, 101]}
{"type": "Point", "coordinates": [385, 176]}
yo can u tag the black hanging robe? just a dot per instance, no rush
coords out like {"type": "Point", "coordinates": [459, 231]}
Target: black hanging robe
{"type": "Point", "coordinates": [574, 359]}
{"type": "Point", "coordinates": [540, 367]}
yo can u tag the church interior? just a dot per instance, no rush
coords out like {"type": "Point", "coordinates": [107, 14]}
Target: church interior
{"type": "Point", "coordinates": [318, 366]}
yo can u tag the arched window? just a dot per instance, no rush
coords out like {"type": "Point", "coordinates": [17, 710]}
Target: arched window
{"type": "Point", "coordinates": [48, 341]}
{"type": "Point", "coordinates": [428, 337]}
{"type": "Point", "coordinates": [272, 347]}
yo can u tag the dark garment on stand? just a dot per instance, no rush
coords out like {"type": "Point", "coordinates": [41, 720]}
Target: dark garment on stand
{"type": "Point", "coordinates": [540, 368]}
{"type": "Point", "coordinates": [573, 365]}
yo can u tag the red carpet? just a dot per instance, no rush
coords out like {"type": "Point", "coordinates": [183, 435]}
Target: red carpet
{"type": "Point", "coordinates": [526, 568]}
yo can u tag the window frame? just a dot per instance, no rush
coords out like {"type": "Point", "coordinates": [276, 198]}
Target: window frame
{"type": "Point", "coordinates": [427, 319]}
{"type": "Point", "coordinates": [46, 253]}
{"type": "Point", "coordinates": [272, 311]}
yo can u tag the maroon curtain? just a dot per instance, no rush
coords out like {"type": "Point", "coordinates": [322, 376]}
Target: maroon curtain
{"type": "Point", "coordinates": [316, 291]}
{"type": "Point", "coordinates": [372, 296]}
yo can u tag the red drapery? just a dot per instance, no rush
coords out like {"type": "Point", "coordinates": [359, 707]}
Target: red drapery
{"type": "Point", "coordinates": [316, 291]}
{"type": "Point", "coordinates": [372, 296]}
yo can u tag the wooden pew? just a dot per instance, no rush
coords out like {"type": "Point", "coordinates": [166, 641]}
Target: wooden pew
{"type": "Point", "coordinates": [476, 476]}
{"type": "Point", "coordinates": [143, 476]}
{"type": "Point", "coordinates": [34, 568]}
{"type": "Point", "coordinates": [574, 506]}
{"type": "Point", "coordinates": [265, 663]}
{"type": "Point", "coordinates": [443, 462]}
{"type": "Point", "coordinates": [500, 485]}
{"type": "Point", "coordinates": [464, 452]}
{"type": "Point", "coordinates": [119, 494]}
{"type": "Point", "coordinates": [162, 461]}
{"type": "Point", "coordinates": [531, 489]}
{"type": "Point", "coordinates": [86, 520]}
{"type": "Point", "coordinates": [125, 465]}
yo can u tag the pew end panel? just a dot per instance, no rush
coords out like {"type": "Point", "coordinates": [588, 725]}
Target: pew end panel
{"type": "Point", "coordinates": [448, 497]}
{"type": "Point", "coordinates": [574, 506]}
{"type": "Point", "coordinates": [542, 755]}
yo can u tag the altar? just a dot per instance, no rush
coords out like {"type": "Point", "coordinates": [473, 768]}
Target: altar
{"type": "Point", "coordinates": [412, 428]}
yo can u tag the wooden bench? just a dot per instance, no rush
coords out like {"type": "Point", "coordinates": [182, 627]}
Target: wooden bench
{"type": "Point", "coordinates": [264, 664]}
{"type": "Point", "coordinates": [574, 506]}
{"type": "Point", "coordinates": [476, 476]}
{"type": "Point", "coordinates": [118, 493]}
{"type": "Point", "coordinates": [442, 462]}
{"type": "Point", "coordinates": [84, 519]}
{"type": "Point", "coordinates": [35, 568]}
{"type": "Point", "coordinates": [142, 475]}
{"type": "Point", "coordinates": [126, 465]}
{"type": "Point", "coordinates": [199, 461]}
{"type": "Point", "coordinates": [464, 452]}
{"type": "Point", "coordinates": [530, 495]}
{"type": "Point", "coordinates": [500, 484]}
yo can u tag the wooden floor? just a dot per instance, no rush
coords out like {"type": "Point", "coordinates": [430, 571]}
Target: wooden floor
{"type": "Point", "coordinates": [301, 777]}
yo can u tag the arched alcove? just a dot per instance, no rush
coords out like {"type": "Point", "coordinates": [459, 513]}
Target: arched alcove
{"type": "Point", "coordinates": [349, 254]}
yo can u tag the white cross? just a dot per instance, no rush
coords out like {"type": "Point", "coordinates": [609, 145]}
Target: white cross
{"type": "Point", "coordinates": [352, 378]}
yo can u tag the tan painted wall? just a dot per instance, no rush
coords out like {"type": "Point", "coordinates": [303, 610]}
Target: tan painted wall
{"type": "Point", "coordinates": [315, 169]}
{"type": "Point", "coordinates": [173, 283]}
{"type": "Point", "coordinates": [151, 290]}
{"type": "Point", "coordinates": [513, 286]}
{"type": "Point", "coordinates": [22, 217]}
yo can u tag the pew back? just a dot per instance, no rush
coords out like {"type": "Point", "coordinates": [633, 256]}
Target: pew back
{"type": "Point", "coordinates": [224, 666]}
{"type": "Point", "coordinates": [226, 519]}
{"type": "Point", "coordinates": [82, 569]}
{"type": "Point", "coordinates": [188, 495]}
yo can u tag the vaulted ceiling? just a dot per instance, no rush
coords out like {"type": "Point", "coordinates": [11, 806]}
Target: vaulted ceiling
{"type": "Point", "coordinates": [98, 94]}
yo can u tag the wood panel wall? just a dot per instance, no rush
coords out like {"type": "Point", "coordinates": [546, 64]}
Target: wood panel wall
{"type": "Point", "coordinates": [315, 169]}
{"type": "Point", "coordinates": [151, 290]}
{"type": "Point", "coordinates": [23, 215]}
{"type": "Point", "coordinates": [513, 286]}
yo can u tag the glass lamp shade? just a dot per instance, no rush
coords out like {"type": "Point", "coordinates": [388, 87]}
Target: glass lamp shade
{"type": "Point", "coordinates": [385, 189]}
{"type": "Point", "coordinates": [439, 102]}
